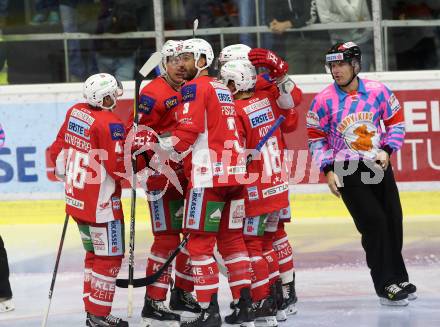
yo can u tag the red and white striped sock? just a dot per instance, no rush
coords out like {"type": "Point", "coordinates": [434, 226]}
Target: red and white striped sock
{"type": "Point", "coordinates": [239, 272]}
{"type": "Point", "coordinates": [284, 253]}
{"type": "Point", "coordinates": [88, 265]}
{"type": "Point", "coordinates": [184, 279]}
{"type": "Point", "coordinates": [205, 274]}
{"type": "Point", "coordinates": [158, 290]}
{"type": "Point", "coordinates": [260, 278]}
{"type": "Point", "coordinates": [103, 284]}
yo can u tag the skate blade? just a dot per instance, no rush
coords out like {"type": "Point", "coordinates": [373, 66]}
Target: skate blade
{"type": "Point", "coordinates": [270, 321]}
{"type": "Point", "coordinates": [291, 309]}
{"type": "Point", "coordinates": [148, 322]}
{"type": "Point", "coordinates": [412, 296]}
{"type": "Point", "coordinates": [400, 303]}
{"type": "Point", "coordinates": [281, 315]}
{"type": "Point", "coordinates": [187, 316]}
{"type": "Point", "coordinates": [247, 324]}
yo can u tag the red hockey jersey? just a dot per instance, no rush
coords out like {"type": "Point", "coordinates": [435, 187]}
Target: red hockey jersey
{"type": "Point", "coordinates": [267, 187]}
{"type": "Point", "coordinates": [158, 103]}
{"type": "Point", "coordinates": [207, 123]}
{"type": "Point", "coordinates": [89, 149]}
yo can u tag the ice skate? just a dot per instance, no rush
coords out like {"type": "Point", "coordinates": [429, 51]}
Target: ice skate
{"type": "Point", "coordinates": [6, 305]}
{"type": "Point", "coordinates": [281, 313]}
{"type": "Point", "coordinates": [156, 314]}
{"type": "Point", "coordinates": [266, 312]}
{"type": "Point", "coordinates": [409, 288]}
{"type": "Point", "coordinates": [243, 313]}
{"type": "Point", "coordinates": [393, 295]}
{"type": "Point", "coordinates": [108, 321]}
{"type": "Point", "coordinates": [289, 298]}
{"type": "Point", "coordinates": [209, 317]}
{"type": "Point", "coordinates": [181, 301]}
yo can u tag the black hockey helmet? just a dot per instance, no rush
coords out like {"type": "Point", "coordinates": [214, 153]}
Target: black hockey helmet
{"type": "Point", "coordinates": [348, 52]}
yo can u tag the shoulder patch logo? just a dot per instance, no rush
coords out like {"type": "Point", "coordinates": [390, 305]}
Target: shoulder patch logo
{"type": "Point", "coordinates": [116, 131]}
{"type": "Point", "coordinates": [170, 103]}
{"type": "Point", "coordinates": [189, 92]}
{"type": "Point", "coordinates": [146, 104]}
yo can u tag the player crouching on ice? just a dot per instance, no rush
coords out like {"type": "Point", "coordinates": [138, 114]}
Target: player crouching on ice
{"type": "Point", "coordinates": [89, 156]}
{"type": "Point", "coordinates": [276, 247]}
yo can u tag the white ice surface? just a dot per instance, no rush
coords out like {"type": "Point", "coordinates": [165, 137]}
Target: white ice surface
{"type": "Point", "coordinates": [333, 282]}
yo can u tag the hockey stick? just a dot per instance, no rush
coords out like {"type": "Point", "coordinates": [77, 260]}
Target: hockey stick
{"type": "Point", "coordinates": [148, 280]}
{"type": "Point", "coordinates": [55, 271]}
{"type": "Point", "coordinates": [266, 137]}
{"type": "Point", "coordinates": [195, 26]}
{"type": "Point", "coordinates": [149, 65]}
{"type": "Point", "coordinates": [141, 282]}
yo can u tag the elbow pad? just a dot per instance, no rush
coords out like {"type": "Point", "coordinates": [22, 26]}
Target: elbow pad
{"type": "Point", "coordinates": [285, 86]}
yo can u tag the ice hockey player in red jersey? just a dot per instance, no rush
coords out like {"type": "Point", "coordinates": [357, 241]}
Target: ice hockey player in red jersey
{"type": "Point", "coordinates": [267, 187]}
{"type": "Point", "coordinates": [89, 154]}
{"type": "Point", "coordinates": [278, 83]}
{"type": "Point", "coordinates": [158, 102]}
{"type": "Point", "coordinates": [289, 95]}
{"type": "Point", "coordinates": [214, 201]}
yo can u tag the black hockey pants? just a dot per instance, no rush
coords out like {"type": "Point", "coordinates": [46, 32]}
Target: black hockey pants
{"type": "Point", "coordinates": [5, 287]}
{"type": "Point", "coordinates": [377, 214]}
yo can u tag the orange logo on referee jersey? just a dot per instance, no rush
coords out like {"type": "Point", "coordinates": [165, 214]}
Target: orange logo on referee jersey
{"type": "Point", "coordinates": [363, 142]}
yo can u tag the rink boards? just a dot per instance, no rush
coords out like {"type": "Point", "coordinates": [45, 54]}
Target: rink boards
{"type": "Point", "coordinates": [31, 115]}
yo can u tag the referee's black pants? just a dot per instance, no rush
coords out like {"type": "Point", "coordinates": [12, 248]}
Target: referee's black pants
{"type": "Point", "coordinates": [377, 214]}
{"type": "Point", "coordinates": [5, 287]}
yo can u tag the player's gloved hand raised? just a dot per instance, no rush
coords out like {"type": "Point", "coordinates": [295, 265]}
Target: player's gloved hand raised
{"type": "Point", "coordinates": [260, 57]}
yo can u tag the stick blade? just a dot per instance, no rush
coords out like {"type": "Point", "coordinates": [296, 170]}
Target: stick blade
{"type": "Point", "coordinates": [195, 26]}
{"type": "Point", "coordinates": [151, 63]}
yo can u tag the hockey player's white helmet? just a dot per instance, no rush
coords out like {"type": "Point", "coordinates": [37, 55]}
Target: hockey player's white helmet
{"type": "Point", "coordinates": [98, 86]}
{"type": "Point", "coordinates": [171, 48]}
{"type": "Point", "coordinates": [241, 72]}
{"type": "Point", "coordinates": [233, 52]}
{"type": "Point", "coordinates": [199, 47]}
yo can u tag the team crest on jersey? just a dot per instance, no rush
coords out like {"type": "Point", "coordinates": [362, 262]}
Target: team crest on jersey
{"type": "Point", "coordinates": [116, 131]}
{"type": "Point", "coordinates": [146, 104]}
{"type": "Point", "coordinates": [170, 103]}
{"type": "Point", "coordinates": [261, 117]}
{"type": "Point", "coordinates": [79, 128]}
{"type": "Point", "coordinates": [189, 92]}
